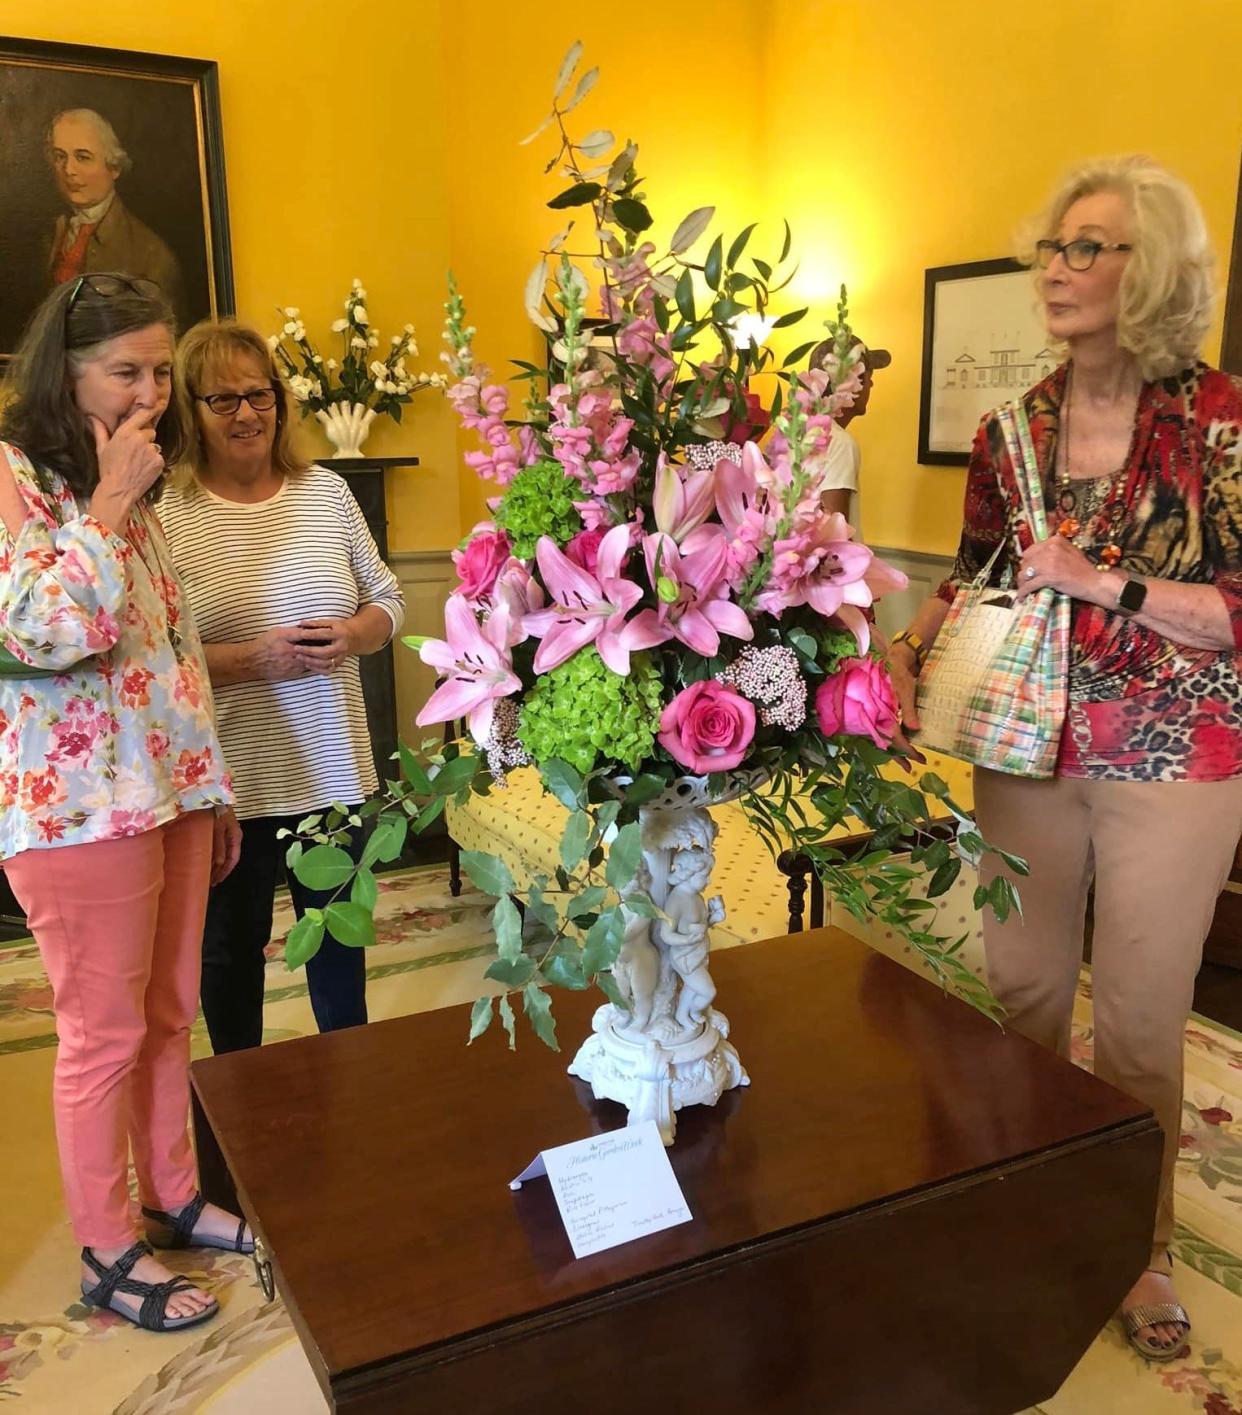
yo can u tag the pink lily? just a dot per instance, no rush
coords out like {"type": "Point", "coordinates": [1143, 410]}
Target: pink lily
{"type": "Point", "coordinates": [681, 498]}
{"type": "Point", "coordinates": [691, 585]}
{"type": "Point", "coordinates": [474, 660]}
{"type": "Point", "coordinates": [589, 608]}
{"type": "Point", "coordinates": [742, 505]}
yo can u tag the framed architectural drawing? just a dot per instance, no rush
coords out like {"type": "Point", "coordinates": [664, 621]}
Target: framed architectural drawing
{"type": "Point", "coordinates": [110, 160]}
{"type": "Point", "coordinates": [983, 343]}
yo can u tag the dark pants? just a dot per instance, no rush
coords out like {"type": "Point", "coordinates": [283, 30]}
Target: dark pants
{"type": "Point", "coordinates": [239, 928]}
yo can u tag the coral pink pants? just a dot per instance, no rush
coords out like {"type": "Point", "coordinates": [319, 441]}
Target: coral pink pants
{"type": "Point", "coordinates": [119, 924]}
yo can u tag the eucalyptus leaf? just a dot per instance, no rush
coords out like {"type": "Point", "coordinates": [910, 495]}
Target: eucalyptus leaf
{"type": "Point", "coordinates": [597, 143]}
{"type": "Point", "coordinates": [623, 856]}
{"type": "Point", "coordinates": [511, 972]}
{"type": "Point", "coordinates": [507, 925]}
{"type": "Point", "coordinates": [585, 84]}
{"type": "Point", "coordinates": [568, 64]}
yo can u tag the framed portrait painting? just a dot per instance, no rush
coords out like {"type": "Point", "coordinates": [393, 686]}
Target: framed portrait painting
{"type": "Point", "coordinates": [983, 343]}
{"type": "Point", "coordinates": [110, 160]}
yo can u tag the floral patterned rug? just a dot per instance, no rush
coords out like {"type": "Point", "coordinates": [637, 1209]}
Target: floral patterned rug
{"type": "Point", "coordinates": [58, 1358]}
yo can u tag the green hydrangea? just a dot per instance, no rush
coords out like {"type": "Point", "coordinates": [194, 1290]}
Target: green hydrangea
{"type": "Point", "coordinates": [583, 711]}
{"type": "Point", "coordinates": [835, 646]}
{"type": "Point", "coordinates": [539, 502]}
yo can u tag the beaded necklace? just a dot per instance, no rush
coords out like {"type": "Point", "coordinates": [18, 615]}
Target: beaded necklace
{"type": "Point", "coordinates": [1091, 509]}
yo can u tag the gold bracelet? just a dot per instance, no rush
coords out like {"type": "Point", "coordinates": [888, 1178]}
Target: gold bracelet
{"type": "Point", "coordinates": [917, 646]}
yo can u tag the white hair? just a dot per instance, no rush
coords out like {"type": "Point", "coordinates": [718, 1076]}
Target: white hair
{"type": "Point", "coordinates": [113, 153]}
{"type": "Point", "coordinates": [1167, 290]}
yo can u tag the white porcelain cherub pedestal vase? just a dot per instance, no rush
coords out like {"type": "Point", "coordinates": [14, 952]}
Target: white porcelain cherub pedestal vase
{"type": "Point", "coordinates": [669, 1047]}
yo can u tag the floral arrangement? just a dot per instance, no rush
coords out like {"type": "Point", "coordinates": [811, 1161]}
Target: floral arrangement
{"type": "Point", "coordinates": [658, 592]}
{"type": "Point", "coordinates": [383, 385]}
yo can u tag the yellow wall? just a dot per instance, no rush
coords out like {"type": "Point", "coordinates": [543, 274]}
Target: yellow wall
{"type": "Point", "coordinates": [953, 121]}
{"type": "Point", "coordinates": [334, 125]}
{"type": "Point", "coordinates": [381, 140]}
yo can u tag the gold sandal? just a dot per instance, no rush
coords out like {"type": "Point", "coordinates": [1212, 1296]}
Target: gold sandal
{"type": "Point", "coordinates": [1150, 1314]}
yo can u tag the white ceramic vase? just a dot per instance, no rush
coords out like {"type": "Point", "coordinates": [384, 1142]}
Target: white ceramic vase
{"type": "Point", "coordinates": [668, 1048]}
{"type": "Point", "coordinates": [347, 425]}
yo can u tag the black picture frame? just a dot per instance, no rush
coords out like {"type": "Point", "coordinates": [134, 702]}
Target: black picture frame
{"type": "Point", "coordinates": [1231, 343]}
{"type": "Point", "coordinates": [169, 199]}
{"type": "Point", "coordinates": [1017, 357]}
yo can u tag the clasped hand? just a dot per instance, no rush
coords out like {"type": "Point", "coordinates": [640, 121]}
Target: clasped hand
{"type": "Point", "coordinates": [1060, 565]}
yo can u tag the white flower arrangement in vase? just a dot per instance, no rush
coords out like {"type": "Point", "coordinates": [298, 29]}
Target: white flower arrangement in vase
{"type": "Point", "coordinates": [348, 395]}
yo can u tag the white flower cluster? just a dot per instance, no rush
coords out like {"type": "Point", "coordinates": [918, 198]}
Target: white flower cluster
{"type": "Point", "coordinates": [304, 389]}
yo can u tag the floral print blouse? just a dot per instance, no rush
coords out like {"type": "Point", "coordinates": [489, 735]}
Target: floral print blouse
{"type": "Point", "coordinates": [1142, 707]}
{"type": "Point", "coordinates": [122, 740]}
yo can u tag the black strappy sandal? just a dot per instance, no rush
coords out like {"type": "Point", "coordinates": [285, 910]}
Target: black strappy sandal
{"type": "Point", "coordinates": [153, 1313]}
{"type": "Point", "coordinates": [177, 1230]}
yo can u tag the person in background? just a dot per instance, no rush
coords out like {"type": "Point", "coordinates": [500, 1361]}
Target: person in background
{"type": "Point", "coordinates": [844, 460]}
{"type": "Point", "coordinates": [1140, 448]}
{"type": "Point", "coordinates": [289, 591]}
{"type": "Point", "coordinates": [114, 798]}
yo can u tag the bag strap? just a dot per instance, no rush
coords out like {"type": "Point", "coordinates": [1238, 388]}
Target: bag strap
{"type": "Point", "coordinates": [1017, 433]}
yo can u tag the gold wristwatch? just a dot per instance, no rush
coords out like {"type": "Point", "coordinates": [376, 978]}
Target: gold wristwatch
{"type": "Point", "coordinates": [907, 636]}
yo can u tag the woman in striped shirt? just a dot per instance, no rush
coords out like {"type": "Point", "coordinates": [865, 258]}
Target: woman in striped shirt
{"type": "Point", "coordinates": [288, 590]}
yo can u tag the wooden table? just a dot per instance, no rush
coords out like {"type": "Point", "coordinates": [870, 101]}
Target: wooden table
{"type": "Point", "coordinates": [907, 1212]}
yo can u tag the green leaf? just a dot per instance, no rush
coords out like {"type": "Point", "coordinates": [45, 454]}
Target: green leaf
{"type": "Point", "coordinates": [791, 318]}
{"type": "Point", "coordinates": [999, 899]}
{"type": "Point", "coordinates": [603, 943]}
{"type": "Point", "coordinates": [564, 783]}
{"type": "Point", "coordinates": [564, 970]}
{"type": "Point", "coordinates": [711, 266]}
{"type": "Point", "coordinates": [388, 838]}
{"type": "Point", "coordinates": [454, 775]}
{"type": "Point", "coordinates": [480, 1018]}
{"type": "Point", "coordinates": [623, 855]}
{"type": "Point", "coordinates": [574, 839]}
{"type": "Point", "coordinates": [508, 1021]}
{"type": "Point", "coordinates": [607, 984]}
{"type": "Point", "coordinates": [487, 872]}
{"type": "Point", "coordinates": [762, 266]}
{"type": "Point", "coordinates": [304, 939]}
{"type": "Point", "coordinates": [944, 878]}
{"type": "Point", "coordinates": [691, 229]}
{"type": "Point", "coordinates": [507, 924]}
{"type": "Point", "coordinates": [786, 243]}
{"type": "Point", "coordinates": [580, 194]}
{"type": "Point", "coordinates": [684, 295]}
{"type": "Point", "coordinates": [350, 923]}
{"type": "Point", "coordinates": [542, 909]}
{"type": "Point", "coordinates": [365, 892]}
{"type": "Point", "coordinates": [1015, 863]}
{"type": "Point", "coordinates": [739, 245]}
{"type": "Point", "coordinates": [587, 902]}
{"type": "Point", "coordinates": [512, 972]}
{"type": "Point", "coordinates": [413, 770]}
{"type": "Point", "coordinates": [645, 788]}
{"type": "Point", "coordinates": [631, 214]}
{"type": "Point", "coordinates": [932, 785]}
{"type": "Point", "coordinates": [323, 868]}
{"type": "Point", "coordinates": [795, 356]}
{"type": "Point", "coordinates": [429, 813]}
{"type": "Point", "coordinates": [309, 823]}
{"type": "Point", "coordinates": [538, 1007]}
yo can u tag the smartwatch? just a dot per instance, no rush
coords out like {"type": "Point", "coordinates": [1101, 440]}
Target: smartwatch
{"type": "Point", "coordinates": [1130, 597]}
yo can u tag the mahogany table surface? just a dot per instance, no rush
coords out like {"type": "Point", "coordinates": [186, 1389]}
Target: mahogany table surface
{"type": "Point", "coordinates": [375, 1162]}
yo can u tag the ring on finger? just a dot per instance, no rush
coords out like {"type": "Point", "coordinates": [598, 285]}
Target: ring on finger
{"type": "Point", "coordinates": [1031, 572]}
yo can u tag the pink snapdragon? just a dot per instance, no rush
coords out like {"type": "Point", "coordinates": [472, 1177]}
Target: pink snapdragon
{"type": "Point", "coordinates": [746, 509]}
{"type": "Point", "coordinates": [474, 660]}
{"type": "Point", "coordinates": [481, 408]}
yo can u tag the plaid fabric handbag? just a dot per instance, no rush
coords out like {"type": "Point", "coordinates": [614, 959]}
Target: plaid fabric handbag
{"type": "Point", "coordinates": [995, 688]}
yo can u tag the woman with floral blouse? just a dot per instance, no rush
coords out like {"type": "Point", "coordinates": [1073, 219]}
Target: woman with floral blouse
{"type": "Point", "coordinates": [115, 805]}
{"type": "Point", "coordinates": [1140, 447]}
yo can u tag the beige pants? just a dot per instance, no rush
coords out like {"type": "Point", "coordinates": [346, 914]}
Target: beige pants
{"type": "Point", "coordinates": [1160, 853]}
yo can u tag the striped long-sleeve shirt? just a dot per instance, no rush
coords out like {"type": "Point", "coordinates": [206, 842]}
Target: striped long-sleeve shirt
{"type": "Point", "coordinates": [304, 553]}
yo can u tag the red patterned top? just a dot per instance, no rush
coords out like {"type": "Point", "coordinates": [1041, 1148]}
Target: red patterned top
{"type": "Point", "coordinates": [1142, 707]}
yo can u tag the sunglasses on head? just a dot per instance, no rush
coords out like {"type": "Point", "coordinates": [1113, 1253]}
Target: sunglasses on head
{"type": "Point", "coordinates": [108, 286]}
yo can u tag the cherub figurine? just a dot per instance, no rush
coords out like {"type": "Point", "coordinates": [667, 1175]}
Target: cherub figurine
{"type": "Point", "coordinates": [685, 935]}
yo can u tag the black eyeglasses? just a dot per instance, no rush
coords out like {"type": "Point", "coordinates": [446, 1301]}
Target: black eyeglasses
{"type": "Point", "coordinates": [224, 405]}
{"type": "Point", "coordinates": [1079, 255]}
{"type": "Point", "coordinates": [108, 286]}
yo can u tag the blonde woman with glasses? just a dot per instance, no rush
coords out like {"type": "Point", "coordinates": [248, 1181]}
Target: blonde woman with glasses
{"type": "Point", "coordinates": [289, 591]}
{"type": "Point", "coordinates": [1139, 445]}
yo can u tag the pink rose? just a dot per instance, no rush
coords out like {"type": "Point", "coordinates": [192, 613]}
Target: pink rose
{"type": "Point", "coordinates": [707, 727]}
{"type": "Point", "coordinates": [858, 699]}
{"type": "Point", "coordinates": [482, 560]}
{"type": "Point", "coordinates": [583, 549]}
